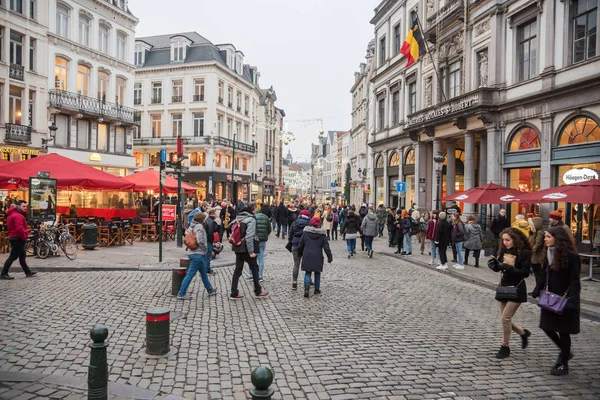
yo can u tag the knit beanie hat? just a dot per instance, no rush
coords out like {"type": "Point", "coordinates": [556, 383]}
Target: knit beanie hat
{"type": "Point", "coordinates": [556, 215]}
{"type": "Point", "coordinates": [305, 213]}
{"type": "Point", "coordinates": [316, 222]}
{"type": "Point", "coordinates": [442, 215]}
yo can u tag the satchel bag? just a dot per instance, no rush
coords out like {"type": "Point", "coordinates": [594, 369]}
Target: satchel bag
{"type": "Point", "coordinates": [550, 301]}
{"type": "Point", "coordinates": [508, 293]}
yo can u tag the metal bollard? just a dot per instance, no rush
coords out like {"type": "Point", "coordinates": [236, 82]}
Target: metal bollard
{"type": "Point", "coordinates": [157, 331]}
{"type": "Point", "coordinates": [184, 262]}
{"type": "Point", "coordinates": [98, 368]}
{"type": "Point", "coordinates": [262, 378]}
{"type": "Point", "coordinates": [177, 276]}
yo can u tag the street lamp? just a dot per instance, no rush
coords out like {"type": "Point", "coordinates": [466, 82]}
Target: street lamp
{"type": "Point", "coordinates": [233, 199]}
{"type": "Point", "coordinates": [53, 128]}
{"type": "Point", "coordinates": [439, 160]}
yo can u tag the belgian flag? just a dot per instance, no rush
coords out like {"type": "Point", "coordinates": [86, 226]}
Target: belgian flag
{"type": "Point", "coordinates": [413, 47]}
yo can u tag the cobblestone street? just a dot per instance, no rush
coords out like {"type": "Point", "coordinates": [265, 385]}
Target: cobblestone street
{"type": "Point", "coordinates": [383, 328]}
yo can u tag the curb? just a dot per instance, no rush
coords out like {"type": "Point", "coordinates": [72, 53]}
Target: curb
{"type": "Point", "coordinates": [222, 264]}
{"type": "Point", "coordinates": [588, 314]}
{"type": "Point", "coordinates": [116, 389]}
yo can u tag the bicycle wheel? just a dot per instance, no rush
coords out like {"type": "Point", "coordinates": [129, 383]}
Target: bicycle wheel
{"type": "Point", "coordinates": [42, 249]}
{"type": "Point", "coordinates": [69, 247]}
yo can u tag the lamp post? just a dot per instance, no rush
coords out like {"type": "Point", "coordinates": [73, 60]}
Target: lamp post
{"type": "Point", "coordinates": [439, 160]}
{"type": "Point", "coordinates": [233, 199]}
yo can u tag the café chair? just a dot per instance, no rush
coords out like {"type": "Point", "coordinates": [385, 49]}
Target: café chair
{"type": "Point", "coordinates": [127, 235]}
{"type": "Point", "coordinates": [104, 234]}
{"type": "Point", "coordinates": [169, 230]}
{"type": "Point", "coordinates": [151, 232]}
{"type": "Point", "coordinates": [137, 229]}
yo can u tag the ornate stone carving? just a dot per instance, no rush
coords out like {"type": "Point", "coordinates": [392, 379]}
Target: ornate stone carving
{"type": "Point", "coordinates": [482, 27]}
{"type": "Point", "coordinates": [413, 135]}
{"type": "Point", "coordinates": [428, 90]}
{"type": "Point", "coordinates": [430, 8]}
{"type": "Point", "coordinates": [483, 68]}
{"type": "Point", "coordinates": [460, 123]}
{"type": "Point", "coordinates": [456, 46]}
{"type": "Point", "coordinates": [486, 117]}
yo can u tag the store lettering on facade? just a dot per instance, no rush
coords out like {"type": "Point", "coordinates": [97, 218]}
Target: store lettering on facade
{"type": "Point", "coordinates": [446, 109]}
{"type": "Point", "coordinates": [579, 175]}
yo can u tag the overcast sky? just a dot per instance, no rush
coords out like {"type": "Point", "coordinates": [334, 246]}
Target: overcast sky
{"type": "Point", "coordinates": [308, 50]}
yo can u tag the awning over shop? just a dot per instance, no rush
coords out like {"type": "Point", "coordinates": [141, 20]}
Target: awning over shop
{"type": "Point", "coordinates": [67, 172]}
{"type": "Point", "coordinates": [150, 179]}
{"type": "Point", "coordinates": [586, 192]}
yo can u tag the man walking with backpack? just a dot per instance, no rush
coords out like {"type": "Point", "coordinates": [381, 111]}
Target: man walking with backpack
{"type": "Point", "coordinates": [246, 246]}
{"type": "Point", "coordinates": [263, 230]}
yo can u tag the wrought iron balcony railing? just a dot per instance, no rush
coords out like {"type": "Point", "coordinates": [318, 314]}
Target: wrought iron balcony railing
{"type": "Point", "coordinates": [176, 99]}
{"type": "Point", "coordinates": [198, 97]}
{"type": "Point", "coordinates": [17, 71]}
{"type": "Point", "coordinates": [18, 134]}
{"type": "Point", "coordinates": [166, 141]}
{"type": "Point", "coordinates": [91, 106]}
{"type": "Point", "coordinates": [238, 145]}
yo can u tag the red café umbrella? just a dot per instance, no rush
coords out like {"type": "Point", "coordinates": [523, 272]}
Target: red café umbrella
{"type": "Point", "coordinates": [586, 192]}
{"type": "Point", "coordinates": [487, 194]}
{"type": "Point", "coordinates": [149, 180]}
{"type": "Point", "coordinates": [67, 172]}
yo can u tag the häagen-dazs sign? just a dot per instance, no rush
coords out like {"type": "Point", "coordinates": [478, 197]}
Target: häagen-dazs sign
{"type": "Point", "coordinates": [446, 109]}
{"type": "Point", "coordinates": [579, 175]}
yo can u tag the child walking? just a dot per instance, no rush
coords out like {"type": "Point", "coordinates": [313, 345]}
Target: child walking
{"type": "Point", "coordinates": [312, 243]}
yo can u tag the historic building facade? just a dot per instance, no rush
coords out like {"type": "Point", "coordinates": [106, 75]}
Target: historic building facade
{"type": "Point", "coordinates": [513, 99]}
{"type": "Point", "coordinates": [91, 73]}
{"type": "Point", "coordinates": [23, 79]}
{"type": "Point", "coordinates": [185, 86]}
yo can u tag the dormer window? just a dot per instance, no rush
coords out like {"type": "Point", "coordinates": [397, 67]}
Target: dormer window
{"type": "Point", "coordinates": [141, 49]}
{"type": "Point", "coordinates": [179, 47]}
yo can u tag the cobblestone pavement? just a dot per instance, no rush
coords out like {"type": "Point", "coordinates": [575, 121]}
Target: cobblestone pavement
{"type": "Point", "coordinates": [383, 328]}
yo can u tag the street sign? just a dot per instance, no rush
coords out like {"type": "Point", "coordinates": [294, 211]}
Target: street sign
{"type": "Point", "coordinates": [281, 187]}
{"type": "Point", "coordinates": [332, 184]}
{"type": "Point", "coordinates": [400, 186]}
{"type": "Point", "coordinates": [163, 155]}
{"type": "Point", "coordinates": [368, 191]}
{"type": "Point", "coordinates": [421, 180]}
{"type": "Point", "coordinates": [163, 177]}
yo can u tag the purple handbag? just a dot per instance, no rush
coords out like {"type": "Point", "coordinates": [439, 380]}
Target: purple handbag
{"type": "Point", "coordinates": [550, 301]}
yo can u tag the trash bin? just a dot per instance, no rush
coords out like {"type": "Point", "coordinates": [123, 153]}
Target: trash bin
{"type": "Point", "coordinates": [89, 236]}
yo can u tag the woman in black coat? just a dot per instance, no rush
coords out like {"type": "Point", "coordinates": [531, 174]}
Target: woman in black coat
{"type": "Point", "coordinates": [391, 225]}
{"type": "Point", "coordinates": [312, 244]}
{"type": "Point", "coordinates": [443, 236]}
{"type": "Point", "coordinates": [281, 216]}
{"type": "Point", "coordinates": [514, 260]}
{"type": "Point", "coordinates": [350, 230]}
{"type": "Point", "coordinates": [560, 275]}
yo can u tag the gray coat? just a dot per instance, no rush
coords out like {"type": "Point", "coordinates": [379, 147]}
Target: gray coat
{"type": "Point", "coordinates": [369, 225]}
{"type": "Point", "coordinates": [198, 229]}
{"type": "Point", "coordinates": [473, 236]}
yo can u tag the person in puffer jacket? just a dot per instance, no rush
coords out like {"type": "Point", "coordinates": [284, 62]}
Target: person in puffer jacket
{"type": "Point", "coordinates": [311, 247]}
{"type": "Point", "coordinates": [296, 231]}
{"type": "Point", "coordinates": [197, 258]}
{"type": "Point", "coordinates": [18, 232]}
{"type": "Point", "coordinates": [369, 228]}
{"type": "Point", "coordinates": [521, 224]}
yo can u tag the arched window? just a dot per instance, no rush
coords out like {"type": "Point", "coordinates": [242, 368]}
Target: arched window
{"type": "Point", "coordinates": [379, 162]}
{"type": "Point", "coordinates": [410, 157]}
{"type": "Point", "coordinates": [62, 20]}
{"type": "Point", "coordinates": [525, 138]}
{"type": "Point", "coordinates": [580, 130]}
{"type": "Point", "coordinates": [84, 30]}
{"type": "Point", "coordinates": [121, 46]}
{"type": "Point", "coordinates": [103, 34]}
{"type": "Point", "coordinates": [395, 160]}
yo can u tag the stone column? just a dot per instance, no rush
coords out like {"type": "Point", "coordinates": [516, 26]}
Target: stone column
{"type": "Point", "coordinates": [483, 159]}
{"type": "Point", "coordinates": [469, 173]}
{"type": "Point", "coordinates": [450, 166]}
{"type": "Point", "coordinates": [496, 50]}
{"type": "Point", "coordinates": [494, 154]}
{"type": "Point", "coordinates": [386, 189]}
{"type": "Point", "coordinates": [437, 150]}
{"type": "Point", "coordinates": [549, 26]}
{"type": "Point", "coordinates": [546, 156]}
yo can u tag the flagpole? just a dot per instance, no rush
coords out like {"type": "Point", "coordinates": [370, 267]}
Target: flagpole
{"type": "Point", "coordinates": [430, 56]}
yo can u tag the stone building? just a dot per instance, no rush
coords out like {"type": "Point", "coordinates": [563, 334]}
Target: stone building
{"type": "Point", "coordinates": [513, 99]}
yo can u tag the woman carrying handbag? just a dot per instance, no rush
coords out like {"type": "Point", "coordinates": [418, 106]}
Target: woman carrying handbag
{"type": "Point", "coordinates": [514, 262]}
{"type": "Point", "coordinates": [559, 288]}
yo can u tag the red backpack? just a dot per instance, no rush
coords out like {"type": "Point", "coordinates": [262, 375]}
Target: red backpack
{"type": "Point", "coordinates": [235, 238]}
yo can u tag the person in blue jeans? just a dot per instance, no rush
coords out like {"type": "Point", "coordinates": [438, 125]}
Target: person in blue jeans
{"type": "Point", "coordinates": [210, 227]}
{"type": "Point", "coordinates": [263, 230]}
{"type": "Point", "coordinates": [312, 244]}
{"type": "Point", "coordinates": [369, 229]}
{"type": "Point", "coordinates": [197, 258]}
{"type": "Point", "coordinates": [350, 230]}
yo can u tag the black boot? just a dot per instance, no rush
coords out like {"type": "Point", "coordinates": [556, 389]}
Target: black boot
{"type": "Point", "coordinates": [560, 369]}
{"type": "Point", "coordinates": [503, 353]}
{"type": "Point", "coordinates": [524, 338]}
{"type": "Point", "coordinates": [306, 289]}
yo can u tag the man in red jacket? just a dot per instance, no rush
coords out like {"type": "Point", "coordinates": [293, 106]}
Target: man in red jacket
{"type": "Point", "coordinates": [17, 234]}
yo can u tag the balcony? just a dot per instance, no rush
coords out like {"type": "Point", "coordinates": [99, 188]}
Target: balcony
{"type": "Point", "coordinates": [171, 141]}
{"type": "Point", "coordinates": [91, 106]}
{"type": "Point", "coordinates": [157, 100]}
{"type": "Point", "coordinates": [239, 109]}
{"type": "Point", "coordinates": [137, 101]}
{"type": "Point", "coordinates": [198, 97]}
{"type": "Point", "coordinates": [238, 145]}
{"type": "Point", "coordinates": [230, 104]}
{"type": "Point", "coordinates": [176, 99]}
{"type": "Point", "coordinates": [220, 100]}
{"type": "Point", "coordinates": [16, 71]}
{"type": "Point", "coordinates": [20, 134]}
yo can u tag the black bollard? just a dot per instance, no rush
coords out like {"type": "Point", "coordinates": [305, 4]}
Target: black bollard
{"type": "Point", "coordinates": [157, 331]}
{"type": "Point", "coordinates": [177, 276]}
{"type": "Point", "coordinates": [98, 368]}
{"type": "Point", "coordinates": [262, 378]}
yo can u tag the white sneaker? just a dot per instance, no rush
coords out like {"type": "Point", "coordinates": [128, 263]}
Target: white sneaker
{"type": "Point", "coordinates": [442, 267]}
{"type": "Point", "coordinates": [432, 262]}
{"type": "Point", "coordinates": [458, 266]}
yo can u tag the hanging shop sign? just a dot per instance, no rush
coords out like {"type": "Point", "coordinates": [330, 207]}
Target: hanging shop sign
{"type": "Point", "coordinates": [168, 212]}
{"type": "Point", "coordinates": [577, 175]}
{"type": "Point", "coordinates": [95, 157]}
{"type": "Point", "coordinates": [42, 199]}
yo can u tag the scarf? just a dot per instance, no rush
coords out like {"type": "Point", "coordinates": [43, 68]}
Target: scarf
{"type": "Point", "coordinates": [550, 255]}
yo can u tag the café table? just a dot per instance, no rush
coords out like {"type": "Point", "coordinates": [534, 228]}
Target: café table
{"type": "Point", "coordinates": [590, 257]}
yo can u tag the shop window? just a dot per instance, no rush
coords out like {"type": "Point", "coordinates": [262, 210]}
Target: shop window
{"type": "Point", "coordinates": [245, 164]}
{"type": "Point", "coordinates": [227, 162]}
{"type": "Point", "coordinates": [139, 159]}
{"type": "Point", "coordinates": [218, 158]}
{"type": "Point", "coordinates": [198, 159]}
{"type": "Point", "coordinates": [525, 139]}
{"type": "Point", "coordinates": [379, 162]}
{"type": "Point", "coordinates": [395, 160]}
{"type": "Point", "coordinates": [154, 159]}
{"type": "Point", "coordinates": [410, 158]}
{"type": "Point", "coordinates": [580, 130]}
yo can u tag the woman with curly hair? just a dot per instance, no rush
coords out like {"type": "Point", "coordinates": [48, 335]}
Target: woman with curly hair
{"type": "Point", "coordinates": [561, 267]}
{"type": "Point", "coordinates": [514, 261]}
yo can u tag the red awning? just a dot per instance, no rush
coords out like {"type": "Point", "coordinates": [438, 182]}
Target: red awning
{"type": "Point", "coordinates": [67, 172]}
{"type": "Point", "coordinates": [586, 192]}
{"type": "Point", "coordinates": [487, 194]}
{"type": "Point", "coordinates": [149, 180]}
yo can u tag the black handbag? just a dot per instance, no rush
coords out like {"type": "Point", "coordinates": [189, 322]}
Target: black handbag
{"type": "Point", "coordinates": [508, 293]}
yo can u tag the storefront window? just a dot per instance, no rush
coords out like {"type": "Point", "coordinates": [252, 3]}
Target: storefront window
{"type": "Point", "coordinates": [154, 159]}
{"type": "Point", "coordinates": [395, 160]}
{"type": "Point", "coordinates": [379, 162]}
{"type": "Point", "coordinates": [218, 160]}
{"type": "Point", "coordinates": [379, 190]}
{"type": "Point", "coordinates": [201, 191]}
{"type": "Point", "coordinates": [197, 159]}
{"type": "Point", "coordinates": [525, 180]}
{"type": "Point", "coordinates": [580, 130]}
{"type": "Point", "coordinates": [586, 209]}
{"type": "Point", "coordinates": [139, 159]}
{"type": "Point", "coordinates": [525, 139]}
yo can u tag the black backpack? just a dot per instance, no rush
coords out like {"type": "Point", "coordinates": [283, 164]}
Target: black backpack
{"type": "Point", "coordinates": [415, 227]}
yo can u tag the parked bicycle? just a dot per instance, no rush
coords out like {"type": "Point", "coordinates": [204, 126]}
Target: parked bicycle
{"type": "Point", "coordinates": [49, 240]}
